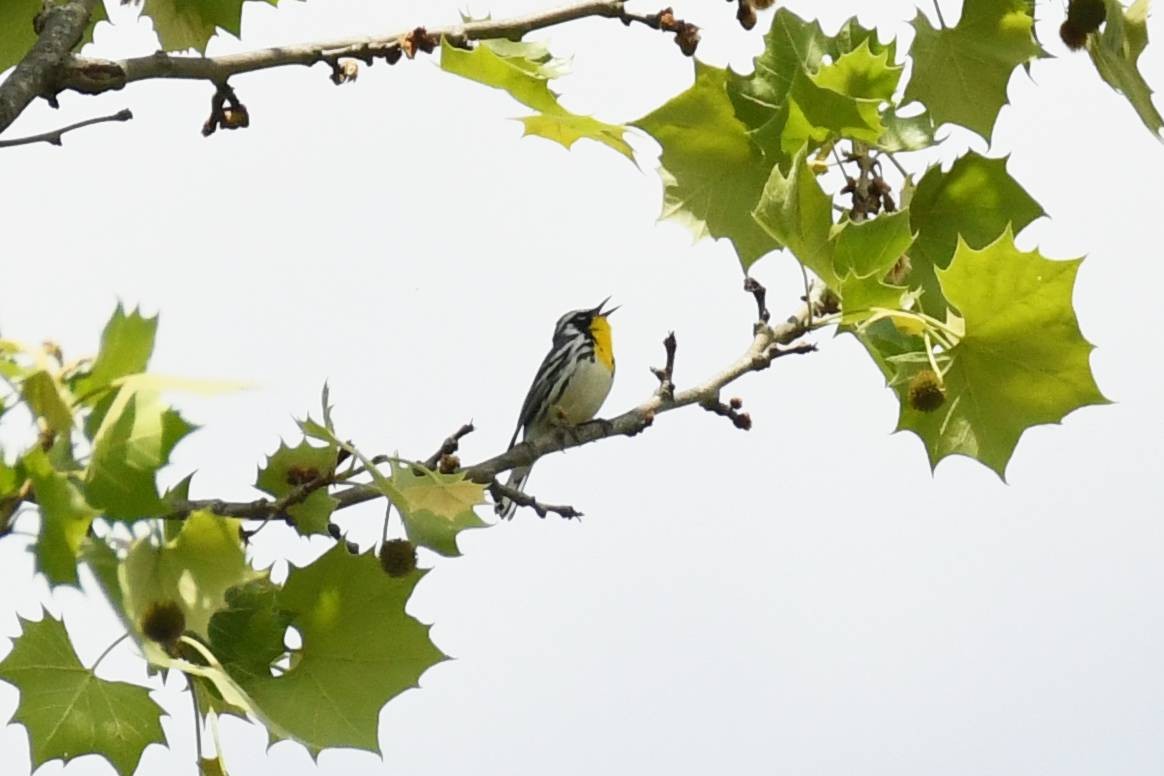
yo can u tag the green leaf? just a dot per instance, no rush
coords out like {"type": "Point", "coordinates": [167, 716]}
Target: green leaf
{"type": "Point", "coordinates": [1115, 52]}
{"type": "Point", "coordinates": [795, 211]}
{"type": "Point", "coordinates": [67, 710]}
{"type": "Point", "coordinates": [910, 133]}
{"type": "Point", "coordinates": [524, 70]}
{"type": "Point", "coordinates": [961, 73]}
{"type": "Point", "coordinates": [17, 34]}
{"type": "Point", "coordinates": [1022, 361]}
{"type": "Point", "coordinates": [974, 201]}
{"type": "Point", "coordinates": [435, 507]}
{"type": "Point", "coordinates": [48, 400]}
{"type": "Point", "coordinates": [712, 172]}
{"type": "Point", "coordinates": [65, 519]}
{"type": "Point", "coordinates": [247, 635]}
{"type": "Point", "coordinates": [126, 346]}
{"type": "Point", "coordinates": [861, 73]}
{"type": "Point", "coordinates": [290, 467]}
{"type": "Point", "coordinates": [134, 441]}
{"type": "Point", "coordinates": [186, 24]}
{"type": "Point", "coordinates": [793, 46]}
{"type": "Point", "coordinates": [872, 247]}
{"type": "Point", "coordinates": [360, 650]}
{"type": "Point", "coordinates": [195, 570]}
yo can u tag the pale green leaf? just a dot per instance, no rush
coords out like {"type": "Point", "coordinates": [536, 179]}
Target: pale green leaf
{"type": "Point", "coordinates": [961, 73]}
{"type": "Point", "coordinates": [796, 212]}
{"type": "Point", "coordinates": [524, 71]}
{"type": "Point", "coordinates": [435, 507]}
{"type": "Point", "coordinates": [126, 346]}
{"type": "Point", "coordinates": [194, 570]}
{"type": "Point", "coordinates": [134, 441]}
{"type": "Point", "coordinates": [1022, 361]}
{"type": "Point", "coordinates": [712, 172]}
{"type": "Point", "coordinates": [65, 519]}
{"type": "Point", "coordinates": [1116, 51]}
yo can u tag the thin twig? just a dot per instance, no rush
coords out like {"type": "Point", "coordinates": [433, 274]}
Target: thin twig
{"type": "Point", "coordinates": [93, 76]}
{"type": "Point", "coordinates": [499, 491]}
{"type": "Point", "coordinates": [666, 375]}
{"type": "Point", "coordinates": [768, 344]}
{"type": "Point", "coordinates": [753, 287]}
{"type": "Point", "coordinates": [449, 446]}
{"type": "Point", "coordinates": [54, 137]}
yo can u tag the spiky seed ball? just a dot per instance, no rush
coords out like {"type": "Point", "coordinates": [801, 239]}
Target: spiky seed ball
{"type": "Point", "coordinates": [1087, 14]}
{"type": "Point", "coordinates": [1073, 37]}
{"type": "Point", "coordinates": [163, 622]}
{"type": "Point", "coordinates": [398, 557]}
{"type": "Point", "coordinates": [926, 392]}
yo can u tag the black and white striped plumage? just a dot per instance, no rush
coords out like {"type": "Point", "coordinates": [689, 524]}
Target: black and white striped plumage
{"type": "Point", "coordinates": [570, 386]}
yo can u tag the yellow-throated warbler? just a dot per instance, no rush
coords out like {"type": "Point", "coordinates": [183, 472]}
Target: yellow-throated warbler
{"type": "Point", "coordinates": [570, 385]}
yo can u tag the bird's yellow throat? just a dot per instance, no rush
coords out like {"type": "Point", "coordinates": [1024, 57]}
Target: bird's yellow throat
{"type": "Point", "coordinates": [603, 348]}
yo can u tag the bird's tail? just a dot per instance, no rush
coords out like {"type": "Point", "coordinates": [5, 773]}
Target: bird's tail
{"type": "Point", "coordinates": [517, 477]}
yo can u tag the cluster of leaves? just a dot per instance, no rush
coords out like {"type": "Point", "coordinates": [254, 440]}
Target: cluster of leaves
{"type": "Point", "coordinates": [182, 583]}
{"type": "Point", "coordinates": [977, 338]}
{"type": "Point", "coordinates": [929, 280]}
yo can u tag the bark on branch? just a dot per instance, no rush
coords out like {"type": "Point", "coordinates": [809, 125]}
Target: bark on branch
{"type": "Point", "coordinates": [92, 76]}
{"type": "Point", "coordinates": [37, 75]}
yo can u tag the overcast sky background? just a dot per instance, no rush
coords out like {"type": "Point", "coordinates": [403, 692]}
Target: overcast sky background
{"type": "Point", "coordinates": [801, 599]}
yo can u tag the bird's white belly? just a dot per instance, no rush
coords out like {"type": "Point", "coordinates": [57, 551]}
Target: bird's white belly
{"type": "Point", "coordinates": [584, 395]}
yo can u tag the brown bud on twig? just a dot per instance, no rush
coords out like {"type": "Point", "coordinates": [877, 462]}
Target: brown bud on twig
{"type": "Point", "coordinates": [344, 71]}
{"type": "Point", "coordinates": [746, 14]}
{"type": "Point", "coordinates": [417, 40]}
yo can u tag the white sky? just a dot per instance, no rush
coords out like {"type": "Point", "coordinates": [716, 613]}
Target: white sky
{"type": "Point", "coordinates": [801, 599]}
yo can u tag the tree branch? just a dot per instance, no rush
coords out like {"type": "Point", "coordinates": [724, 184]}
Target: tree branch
{"type": "Point", "coordinates": [93, 76]}
{"type": "Point", "coordinates": [60, 28]}
{"type": "Point", "coordinates": [768, 344]}
{"type": "Point", "coordinates": [54, 137]}
{"type": "Point", "coordinates": [499, 491]}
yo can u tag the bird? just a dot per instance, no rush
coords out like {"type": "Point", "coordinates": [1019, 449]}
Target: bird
{"type": "Point", "coordinates": [570, 386]}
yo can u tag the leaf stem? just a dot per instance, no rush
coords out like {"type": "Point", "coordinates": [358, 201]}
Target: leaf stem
{"type": "Point", "coordinates": [938, 10]}
{"type": "Point", "coordinates": [197, 722]}
{"type": "Point", "coordinates": [108, 649]}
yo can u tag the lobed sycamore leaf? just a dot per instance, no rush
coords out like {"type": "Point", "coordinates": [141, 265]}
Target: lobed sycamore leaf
{"type": "Point", "coordinates": [961, 73]}
{"type": "Point", "coordinates": [524, 71]}
{"type": "Point", "coordinates": [974, 201]}
{"type": "Point", "coordinates": [713, 173]}
{"type": "Point", "coordinates": [1021, 362]}
{"type": "Point", "coordinates": [186, 24]}
{"type": "Point", "coordinates": [1115, 52]}
{"type": "Point", "coordinates": [195, 569]}
{"type": "Point", "coordinates": [247, 634]}
{"type": "Point", "coordinates": [795, 211]}
{"type": "Point", "coordinates": [288, 468]}
{"type": "Point", "coordinates": [48, 399]}
{"type": "Point", "coordinates": [127, 342]}
{"type": "Point", "coordinates": [791, 46]}
{"type": "Point", "coordinates": [17, 34]}
{"type": "Point", "coordinates": [360, 649]}
{"type": "Point", "coordinates": [67, 710]}
{"type": "Point", "coordinates": [134, 440]}
{"type": "Point", "coordinates": [65, 519]}
{"type": "Point", "coordinates": [435, 507]}
{"type": "Point", "coordinates": [906, 133]}
{"type": "Point", "coordinates": [864, 253]}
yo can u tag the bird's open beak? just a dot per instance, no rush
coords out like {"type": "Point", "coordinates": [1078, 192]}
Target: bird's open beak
{"type": "Point", "coordinates": [599, 311]}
